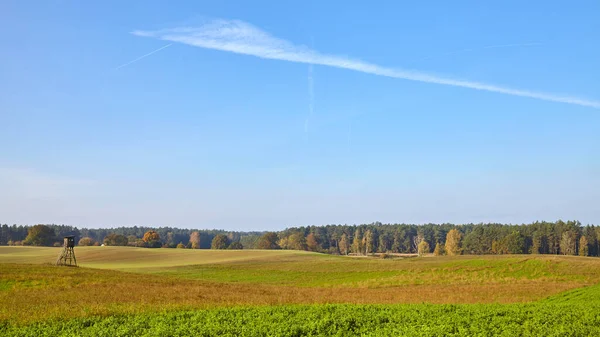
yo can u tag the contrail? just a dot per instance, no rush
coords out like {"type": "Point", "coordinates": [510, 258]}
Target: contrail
{"type": "Point", "coordinates": [528, 44]}
{"type": "Point", "coordinates": [242, 38]}
{"type": "Point", "coordinates": [311, 92]}
{"type": "Point", "coordinates": [143, 56]}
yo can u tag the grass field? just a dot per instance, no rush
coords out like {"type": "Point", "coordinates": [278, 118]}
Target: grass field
{"type": "Point", "coordinates": [120, 287]}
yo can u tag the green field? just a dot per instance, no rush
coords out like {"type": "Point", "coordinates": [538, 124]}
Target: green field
{"type": "Point", "coordinates": [137, 291]}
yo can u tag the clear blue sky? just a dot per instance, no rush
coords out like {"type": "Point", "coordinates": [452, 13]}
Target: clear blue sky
{"type": "Point", "coordinates": [231, 127]}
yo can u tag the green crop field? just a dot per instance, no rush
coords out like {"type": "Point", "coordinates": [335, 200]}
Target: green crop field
{"type": "Point", "coordinates": [123, 291]}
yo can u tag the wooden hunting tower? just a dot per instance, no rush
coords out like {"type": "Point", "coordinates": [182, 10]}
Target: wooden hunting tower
{"type": "Point", "coordinates": [67, 255]}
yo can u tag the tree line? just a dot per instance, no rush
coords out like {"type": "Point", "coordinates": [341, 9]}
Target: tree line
{"type": "Point", "coordinates": [559, 237]}
{"type": "Point", "coordinates": [168, 237]}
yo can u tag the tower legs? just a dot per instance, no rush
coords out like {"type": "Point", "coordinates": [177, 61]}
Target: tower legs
{"type": "Point", "coordinates": [67, 257]}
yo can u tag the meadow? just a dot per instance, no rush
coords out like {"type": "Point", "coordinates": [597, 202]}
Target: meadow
{"type": "Point", "coordinates": [136, 291]}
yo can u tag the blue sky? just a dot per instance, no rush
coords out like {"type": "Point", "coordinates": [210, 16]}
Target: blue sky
{"type": "Point", "coordinates": [262, 115]}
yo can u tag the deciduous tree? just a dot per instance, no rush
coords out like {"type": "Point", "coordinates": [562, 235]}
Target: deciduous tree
{"type": "Point", "coordinates": [40, 235]}
{"type": "Point", "coordinates": [423, 248]}
{"type": "Point", "coordinates": [297, 241]}
{"type": "Point", "coordinates": [357, 242]}
{"type": "Point", "coordinates": [268, 241]}
{"type": "Point", "coordinates": [170, 242]}
{"type": "Point", "coordinates": [439, 249]}
{"type": "Point", "coordinates": [344, 245]}
{"type": "Point", "coordinates": [132, 240]}
{"type": "Point", "coordinates": [368, 242]}
{"type": "Point", "coordinates": [195, 240]}
{"type": "Point", "coordinates": [152, 239]}
{"type": "Point", "coordinates": [86, 241]}
{"type": "Point", "coordinates": [115, 240]}
{"type": "Point", "coordinates": [220, 241]}
{"type": "Point", "coordinates": [453, 242]}
{"type": "Point", "coordinates": [583, 246]}
{"type": "Point", "coordinates": [568, 243]}
{"type": "Point", "coordinates": [235, 245]}
{"type": "Point", "coordinates": [312, 243]}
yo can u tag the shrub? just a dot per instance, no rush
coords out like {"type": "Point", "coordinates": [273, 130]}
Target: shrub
{"type": "Point", "coordinates": [131, 240]}
{"type": "Point", "coordinates": [115, 240]}
{"type": "Point", "coordinates": [87, 241]}
{"type": "Point", "coordinates": [141, 243]}
{"type": "Point", "coordinates": [235, 245]}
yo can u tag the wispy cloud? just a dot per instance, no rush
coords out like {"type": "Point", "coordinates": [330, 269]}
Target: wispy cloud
{"type": "Point", "coordinates": [243, 38]}
{"type": "Point", "coordinates": [311, 97]}
{"type": "Point", "coordinates": [143, 56]}
{"type": "Point", "coordinates": [495, 46]}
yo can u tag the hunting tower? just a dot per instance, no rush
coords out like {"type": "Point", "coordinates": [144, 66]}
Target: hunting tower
{"type": "Point", "coordinates": [67, 255]}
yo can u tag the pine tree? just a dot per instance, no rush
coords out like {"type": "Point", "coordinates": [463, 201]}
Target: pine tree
{"type": "Point", "coordinates": [397, 244]}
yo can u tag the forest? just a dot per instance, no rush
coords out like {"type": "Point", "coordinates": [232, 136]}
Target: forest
{"type": "Point", "coordinates": [559, 237]}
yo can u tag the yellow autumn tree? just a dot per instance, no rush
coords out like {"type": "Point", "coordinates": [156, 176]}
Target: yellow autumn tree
{"type": "Point", "coordinates": [423, 248]}
{"type": "Point", "coordinates": [439, 249]}
{"type": "Point", "coordinates": [152, 239]}
{"type": "Point", "coordinates": [357, 242]}
{"type": "Point", "coordinates": [583, 246]}
{"type": "Point", "coordinates": [86, 241]}
{"type": "Point", "coordinates": [453, 242]}
{"type": "Point", "coordinates": [344, 245]}
{"type": "Point", "coordinates": [195, 240]}
{"type": "Point", "coordinates": [367, 242]}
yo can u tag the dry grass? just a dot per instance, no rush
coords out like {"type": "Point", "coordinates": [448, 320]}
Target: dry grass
{"type": "Point", "coordinates": [160, 280]}
{"type": "Point", "coordinates": [33, 293]}
{"type": "Point", "coordinates": [121, 258]}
